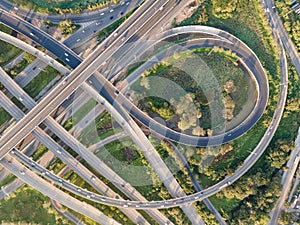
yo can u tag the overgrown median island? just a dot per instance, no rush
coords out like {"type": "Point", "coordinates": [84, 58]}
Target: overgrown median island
{"type": "Point", "coordinates": [197, 92]}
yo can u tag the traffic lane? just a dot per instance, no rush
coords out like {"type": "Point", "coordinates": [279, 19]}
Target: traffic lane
{"type": "Point", "coordinates": [100, 22]}
{"type": "Point", "coordinates": [81, 171]}
{"type": "Point", "coordinates": [39, 37]}
{"type": "Point", "coordinates": [249, 60]}
{"type": "Point", "coordinates": [6, 5]}
{"type": "Point", "coordinates": [130, 40]}
{"type": "Point", "coordinates": [46, 188]}
{"type": "Point", "coordinates": [81, 18]}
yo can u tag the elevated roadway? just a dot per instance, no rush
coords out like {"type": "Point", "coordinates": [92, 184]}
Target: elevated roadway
{"type": "Point", "coordinates": [191, 140]}
{"type": "Point", "coordinates": [103, 14]}
{"type": "Point", "coordinates": [247, 164]}
{"type": "Point", "coordinates": [79, 148]}
{"type": "Point", "coordinates": [63, 90]}
{"type": "Point", "coordinates": [47, 189]}
{"type": "Point", "coordinates": [283, 35]}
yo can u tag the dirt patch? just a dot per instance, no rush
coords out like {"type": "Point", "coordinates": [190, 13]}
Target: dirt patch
{"type": "Point", "coordinates": [187, 12]}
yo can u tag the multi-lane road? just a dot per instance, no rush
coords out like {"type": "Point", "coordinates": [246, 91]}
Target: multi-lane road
{"type": "Point", "coordinates": [179, 202]}
{"type": "Point", "coordinates": [187, 139]}
{"type": "Point", "coordinates": [90, 65]}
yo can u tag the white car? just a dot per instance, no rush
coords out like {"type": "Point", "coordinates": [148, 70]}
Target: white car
{"type": "Point", "coordinates": [111, 10]}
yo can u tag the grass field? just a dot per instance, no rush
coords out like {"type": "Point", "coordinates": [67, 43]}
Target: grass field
{"type": "Point", "coordinates": [246, 25]}
{"type": "Point", "coordinates": [29, 206]}
{"type": "Point", "coordinates": [8, 52]}
{"type": "Point", "coordinates": [14, 71]}
{"type": "Point", "coordinates": [46, 6]}
{"type": "Point", "coordinates": [40, 81]}
{"type": "Point", "coordinates": [92, 133]}
{"type": "Point", "coordinates": [83, 111]}
{"type": "Point", "coordinates": [4, 116]}
{"type": "Point", "coordinates": [217, 69]}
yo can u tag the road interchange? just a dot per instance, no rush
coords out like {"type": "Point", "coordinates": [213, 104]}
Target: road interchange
{"type": "Point", "coordinates": [252, 158]}
{"type": "Point", "coordinates": [195, 196]}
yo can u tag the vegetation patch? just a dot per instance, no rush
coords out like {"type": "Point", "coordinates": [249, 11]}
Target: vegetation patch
{"type": "Point", "coordinates": [253, 196]}
{"type": "Point", "coordinates": [291, 20]}
{"type": "Point", "coordinates": [63, 6]}
{"type": "Point", "coordinates": [41, 81]}
{"type": "Point", "coordinates": [220, 85]}
{"type": "Point", "coordinates": [29, 206]}
{"type": "Point", "coordinates": [14, 71]}
{"type": "Point", "coordinates": [4, 116]}
{"type": "Point", "coordinates": [8, 52]}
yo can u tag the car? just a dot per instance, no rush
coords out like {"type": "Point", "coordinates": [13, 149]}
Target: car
{"type": "Point", "coordinates": [102, 14]}
{"type": "Point", "coordinates": [98, 23]}
{"type": "Point", "coordinates": [34, 68]}
{"type": "Point", "coordinates": [21, 99]}
{"type": "Point", "coordinates": [121, 13]}
{"type": "Point", "coordinates": [31, 34]}
{"type": "Point", "coordinates": [111, 10]}
{"type": "Point", "coordinates": [66, 54]}
{"type": "Point", "coordinates": [13, 152]}
{"type": "Point", "coordinates": [90, 82]}
{"type": "Point", "coordinates": [93, 177]}
{"type": "Point", "coordinates": [32, 164]}
{"type": "Point", "coordinates": [43, 173]}
{"type": "Point", "coordinates": [127, 3]}
{"type": "Point", "coordinates": [78, 40]}
{"type": "Point", "coordinates": [78, 189]}
{"type": "Point", "coordinates": [9, 161]}
{"type": "Point", "coordinates": [111, 17]}
{"type": "Point", "coordinates": [22, 172]}
{"type": "Point", "coordinates": [125, 206]}
{"type": "Point", "coordinates": [67, 59]}
{"type": "Point", "coordinates": [58, 151]}
{"type": "Point", "coordinates": [88, 196]}
{"type": "Point", "coordinates": [117, 92]}
{"type": "Point", "coordinates": [16, 8]}
{"type": "Point", "coordinates": [122, 3]}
